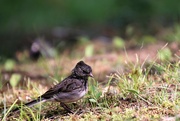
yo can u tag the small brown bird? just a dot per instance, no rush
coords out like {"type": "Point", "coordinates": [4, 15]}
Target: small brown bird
{"type": "Point", "coordinates": [71, 89]}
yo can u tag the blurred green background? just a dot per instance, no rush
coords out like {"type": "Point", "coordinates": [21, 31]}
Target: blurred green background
{"type": "Point", "coordinates": [21, 21]}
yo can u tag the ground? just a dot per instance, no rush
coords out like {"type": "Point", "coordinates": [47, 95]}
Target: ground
{"type": "Point", "coordinates": [133, 83]}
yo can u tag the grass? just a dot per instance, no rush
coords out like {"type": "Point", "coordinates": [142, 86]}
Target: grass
{"type": "Point", "coordinates": [147, 91]}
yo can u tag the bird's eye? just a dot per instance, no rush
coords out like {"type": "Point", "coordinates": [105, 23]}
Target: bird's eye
{"type": "Point", "coordinates": [85, 72]}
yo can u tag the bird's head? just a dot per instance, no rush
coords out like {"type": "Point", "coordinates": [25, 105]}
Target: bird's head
{"type": "Point", "coordinates": [82, 70]}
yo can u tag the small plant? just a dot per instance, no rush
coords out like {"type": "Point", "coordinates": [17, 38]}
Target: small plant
{"type": "Point", "coordinates": [94, 92]}
{"type": "Point", "coordinates": [132, 83]}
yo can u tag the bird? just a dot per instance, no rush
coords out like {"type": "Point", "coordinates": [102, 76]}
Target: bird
{"type": "Point", "coordinates": [69, 90]}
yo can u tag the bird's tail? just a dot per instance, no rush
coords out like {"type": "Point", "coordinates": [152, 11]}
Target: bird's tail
{"type": "Point", "coordinates": [30, 104]}
{"type": "Point", "coordinates": [38, 100]}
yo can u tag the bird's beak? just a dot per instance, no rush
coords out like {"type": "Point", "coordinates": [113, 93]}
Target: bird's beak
{"type": "Point", "coordinates": [91, 75]}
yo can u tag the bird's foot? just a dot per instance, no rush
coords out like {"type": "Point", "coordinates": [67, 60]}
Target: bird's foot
{"type": "Point", "coordinates": [66, 108]}
{"type": "Point", "coordinates": [79, 111]}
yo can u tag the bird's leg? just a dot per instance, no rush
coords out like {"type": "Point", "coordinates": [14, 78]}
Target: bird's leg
{"type": "Point", "coordinates": [75, 104]}
{"type": "Point", "coordinates": [66, 107]}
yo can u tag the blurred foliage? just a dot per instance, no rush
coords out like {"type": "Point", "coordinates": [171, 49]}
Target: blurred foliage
{"type": "Point", "coordinates": [14, 80]}
{"type": "Point", "coordinates": [175, 35]}
{"type": "Point", "coordinates": [9, 65]}
{"type": "Point", "coordinates": [21, 21]}
{"type": "Point", "coordinates": [1, 84]}
{"type": "Point", "coordinates": [118, 42]}
{"type": "Point", "coordinates": [147, 39]}
{"type": "Point", "coordinates": [37, 15]}
{"type": "Point", "coordinates": [89, 50]}
{"type": "Point", "coordinates": [165, 54]}
{"type": "Point", "coordinates": [83, 40]}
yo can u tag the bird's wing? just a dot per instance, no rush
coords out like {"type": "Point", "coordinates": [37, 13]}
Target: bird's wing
{"type": "Point", "coordinates": [67, 85]}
